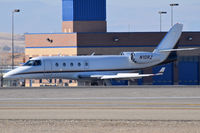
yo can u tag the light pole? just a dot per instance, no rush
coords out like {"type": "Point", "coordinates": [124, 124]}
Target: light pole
{"type": "Point", "coordinates": [13, 13]}
{"type": "Point", "coordinates": [161, 12]}
{"type": "Point", "coordinates": [172, 5]}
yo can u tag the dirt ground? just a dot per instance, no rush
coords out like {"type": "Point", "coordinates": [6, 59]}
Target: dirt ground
{"type": "Point", "coordinates": [98, 126]}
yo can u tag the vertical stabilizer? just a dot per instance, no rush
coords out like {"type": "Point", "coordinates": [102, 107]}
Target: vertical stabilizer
{"type": "Point", "coordinates": [171, 39]}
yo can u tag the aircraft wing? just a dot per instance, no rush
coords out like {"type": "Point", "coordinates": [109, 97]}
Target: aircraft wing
{"type": "Point", "coordinates": [127, 75]}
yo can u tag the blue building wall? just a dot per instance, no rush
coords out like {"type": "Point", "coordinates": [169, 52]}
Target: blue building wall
{"type": "Point", "coordinates": [68, 10]}
{"type": "Point", "coordinates": [84, 10]}
{"type": "Point", "coordinates": [119, 82]}
{"type": "Point", "coordinates": [140, 81]}
{"type": "Point", "coordinates": [189, 71]}
{"type": "Point", "coordinates": [167, 78]}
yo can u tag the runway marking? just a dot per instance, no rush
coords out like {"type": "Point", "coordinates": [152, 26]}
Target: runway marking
{"type": "Point", "coordinates": [94, 108]}
{"type": "Point", "coordinates": [36, 103]}
{"type": "Point", "coordinates": [93, 103]}
{"type": "Point", "coordinates": [99, 98]}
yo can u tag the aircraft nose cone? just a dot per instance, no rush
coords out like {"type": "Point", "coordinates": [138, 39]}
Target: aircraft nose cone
{"type": "Point", "coordinates": [6, 76]}
{"type": "Point", "coordinates": [15, 74]}
{"type": "Point", "coordinates": [9, 75]}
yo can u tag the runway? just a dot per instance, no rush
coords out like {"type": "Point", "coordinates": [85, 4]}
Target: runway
{"type": "Point", "coordinates": [101, 103]}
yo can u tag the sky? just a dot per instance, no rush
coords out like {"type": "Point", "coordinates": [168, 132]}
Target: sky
{"type": "Point", "coordinates": [45, 16]}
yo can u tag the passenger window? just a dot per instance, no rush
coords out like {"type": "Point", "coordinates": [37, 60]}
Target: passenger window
{"type": "Point", "coordinates": [64, 64]}
{"type": "Point", "coordinates": [57, 64]}
{"type": "Point", "coordinates": [79, 64]}
{"type": "Point", "coordinates": [86, 64]}
{"type": "Point", "coordinates": [71, 64]}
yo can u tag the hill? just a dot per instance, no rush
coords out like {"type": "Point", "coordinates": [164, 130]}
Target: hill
{"type": "Point", "coordinates": [6, 42]}
{"type": "Point", "coordinates": [5, 48]}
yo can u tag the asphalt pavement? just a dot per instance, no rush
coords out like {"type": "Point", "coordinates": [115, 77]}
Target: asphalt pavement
{"type": "Point", "coordinates": [111, 103]}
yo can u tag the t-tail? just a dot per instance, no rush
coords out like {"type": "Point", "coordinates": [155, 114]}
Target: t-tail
{"type": "Point", "coordinates": [165, 51]}
{"type": "Point", "coordinates": [167, 48]}
{"type": "Point", "coordinates": [168, 44]}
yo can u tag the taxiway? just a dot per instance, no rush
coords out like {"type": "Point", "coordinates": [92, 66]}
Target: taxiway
{"type": "Point", "coordinates": [114, 103]}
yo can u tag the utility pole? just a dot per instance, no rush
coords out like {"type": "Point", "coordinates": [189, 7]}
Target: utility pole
{"type": "Point", "coordinates": [172, 12]}
{"type": "Point", "coordinates": [161, 12]}
{"type": "Point", "coordinates": [13, 13]}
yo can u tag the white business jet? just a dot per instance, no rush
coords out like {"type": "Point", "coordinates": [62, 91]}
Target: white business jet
{"type": "Point", "coordinates": [103, 67]}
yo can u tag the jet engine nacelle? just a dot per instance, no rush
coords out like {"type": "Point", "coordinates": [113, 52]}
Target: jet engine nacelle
{"type": "Point", "coordinates": [142, 57]}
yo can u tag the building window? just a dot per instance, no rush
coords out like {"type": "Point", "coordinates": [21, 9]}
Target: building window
{"type": "Point", "coordinates": [189, 38]}
{"type": "Point", "coordinates": [116, 39]}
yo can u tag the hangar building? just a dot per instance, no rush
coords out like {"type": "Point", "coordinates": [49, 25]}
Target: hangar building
{"type": "Point", "coordinates": [84, 31]}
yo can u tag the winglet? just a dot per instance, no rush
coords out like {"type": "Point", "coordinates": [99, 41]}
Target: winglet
{"type": "Point", "coordinates": [93, 54]}
{"type": "Point", "coordinates": [162, 70]}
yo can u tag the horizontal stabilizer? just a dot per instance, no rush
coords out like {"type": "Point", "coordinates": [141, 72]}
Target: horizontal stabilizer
{"type": "Point", "coordinates": [183, 49]}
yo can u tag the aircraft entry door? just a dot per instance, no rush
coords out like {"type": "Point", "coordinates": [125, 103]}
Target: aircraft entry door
{"type": "Point", "coordinates": [47, 69]}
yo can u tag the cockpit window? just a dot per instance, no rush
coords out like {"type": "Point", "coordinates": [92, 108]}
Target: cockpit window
{"type": "Point", "coordinates": [33, 63]}
{"type": "Point", "coordinates": [37, 63]}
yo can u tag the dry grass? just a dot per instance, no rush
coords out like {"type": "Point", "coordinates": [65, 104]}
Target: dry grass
{"type": "Point", "coordinates": [5, 59]}
{"type": "Point", "coordinates": [98, 126]}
